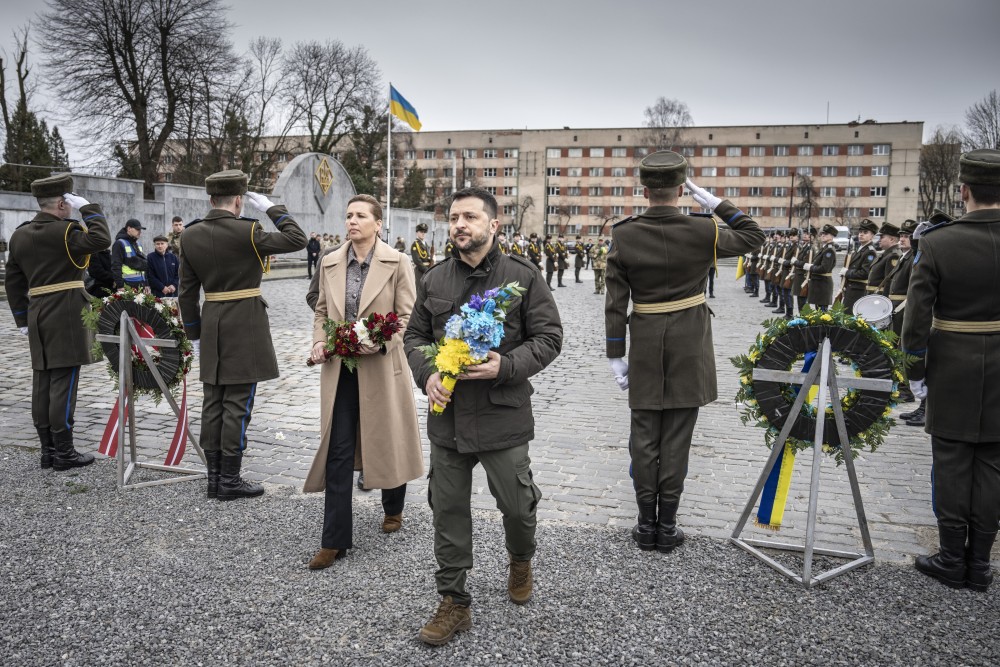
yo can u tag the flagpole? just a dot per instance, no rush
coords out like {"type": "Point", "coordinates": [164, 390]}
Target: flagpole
{"type": "Point", "coordinates": [388, 168]}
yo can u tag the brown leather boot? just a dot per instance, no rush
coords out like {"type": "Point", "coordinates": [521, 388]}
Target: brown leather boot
{"type": "Point", "coordinates": [324, 558]}
{"type": "Point", "coordinates": [448, 619]}
{"type": "Point", "coordinates": [392, 522]}
{"type": "Point", "coordinates": [519, 581]}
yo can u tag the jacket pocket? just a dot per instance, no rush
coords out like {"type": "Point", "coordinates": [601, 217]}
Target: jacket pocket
{"type": "Point", "coordinates": [511, 395]}
{"type": "Point", "coordinates": [440, 310]}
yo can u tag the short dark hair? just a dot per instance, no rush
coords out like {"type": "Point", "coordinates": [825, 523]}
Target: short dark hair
{"type": "Point", "coordinates": [984, 193]}
{"type": "Point", "coordinates": [489, 201]}
{"type": "Point", "coordinates": [177, 218]}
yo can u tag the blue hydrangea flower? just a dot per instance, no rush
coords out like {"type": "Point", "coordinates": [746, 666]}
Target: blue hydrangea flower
{"type": "Point", "coordinates": [797, 322]}
{"type": "Point", "coordinates": [478, 349]}
{"type": "Point", "coordinates": [453, 327]}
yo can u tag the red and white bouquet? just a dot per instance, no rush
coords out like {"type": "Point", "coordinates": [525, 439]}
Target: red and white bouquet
{"type": "Point", "coordinates": [345, 339]}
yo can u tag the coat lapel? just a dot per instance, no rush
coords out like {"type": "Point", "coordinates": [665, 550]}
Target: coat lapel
{"type": "Point", "coordinates": [384, 262]}
{"type": "Point", "coordinates": [335, 276]}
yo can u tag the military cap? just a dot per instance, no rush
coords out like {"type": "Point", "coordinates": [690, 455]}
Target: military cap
{"type": "Point", "coordinates": [161, 237]}
{"type": "Point", "coordinates": [663, 169]}
{"type": "Point", "coordinates": [421, 227]}
{"type": "Point", "coordinates": [828, 229]}
{"type": "Point", "coordinates": [940, 216]}
{"type": "Point", "coordinates": [134, 224]}
{"type": "Point", "coordinates": [812, 230]}
{"type": "Point", "coordinates": [227, 183]}
{"type": "Point", "coordinates": [908, 227]}
{"type": "Point", "coordinates": [868, 226]}
{"type": "Point", "coordinates": [52, 186]}
{"type": "Point", "coordinates": [980, 167]}
{"type": "Point", "coordinates": [889, 228]}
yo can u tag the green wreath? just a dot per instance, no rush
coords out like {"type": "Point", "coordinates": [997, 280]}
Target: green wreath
{"type": "Point", "coordinates": [787, 344]}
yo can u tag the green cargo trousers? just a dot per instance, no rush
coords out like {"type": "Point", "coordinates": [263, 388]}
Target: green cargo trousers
{"type": "Point", "coordinates": [449, 493]}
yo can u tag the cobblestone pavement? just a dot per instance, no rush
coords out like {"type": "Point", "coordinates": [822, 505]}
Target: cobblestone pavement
{"type": "Point", "coordinates": [580, 452]}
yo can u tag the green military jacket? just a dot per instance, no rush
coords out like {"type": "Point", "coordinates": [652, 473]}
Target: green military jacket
{"type": "Point", "coordinates": [820, 276]}
{"type": "Point", "coordinates": [955, 277]}
{"type": "Point", "coordinates": [421, 256]}
{"type": "Point", "coordinates": [47, 251]}
{"type": "Point", "coordinates": [599, 256]}
{"type": "Point", "coordinates": [803, 256]}
{"type": "Point", "coordinates": [223, 253]}
{"type": "Point", "coordinates": [881, 268]}
{"type": "Point", "coordinates": [857, 267]}
{"type": "Point", "coordinates": [661, 256]}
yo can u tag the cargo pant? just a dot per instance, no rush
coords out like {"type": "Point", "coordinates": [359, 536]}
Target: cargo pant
{"type": "Point", "coordinates": [449, 493]}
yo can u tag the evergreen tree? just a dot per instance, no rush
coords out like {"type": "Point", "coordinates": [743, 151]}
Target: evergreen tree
{"type": "Point", "coordinates": [30, 151]}
{"type": "Point", "coordinates": [411, 195]}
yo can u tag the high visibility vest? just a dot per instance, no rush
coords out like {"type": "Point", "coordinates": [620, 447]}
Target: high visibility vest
{"type": "Point", "coordinates": [128, 273]}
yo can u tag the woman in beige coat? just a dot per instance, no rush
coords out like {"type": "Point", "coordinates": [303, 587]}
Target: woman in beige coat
{"type": "Point", "coordinates": [369, 416]}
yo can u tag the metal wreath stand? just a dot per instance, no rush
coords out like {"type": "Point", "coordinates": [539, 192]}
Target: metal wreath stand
{"type": "Point", "coordinates": [820, 374]}
{"type": "Point", "coordinates": [127, 337]}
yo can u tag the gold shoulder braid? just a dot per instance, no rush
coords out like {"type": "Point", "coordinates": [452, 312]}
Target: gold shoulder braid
{"type": "Point", "coordinates": [86, 262]}
{"type": "Point", "coordinates": [265, 264]}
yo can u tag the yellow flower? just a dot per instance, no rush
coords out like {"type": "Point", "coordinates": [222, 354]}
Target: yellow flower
{"type": "Point", "coordinates": [861, 320]}
{"type": "Point", "coordinates": [453, 357]}
{"type": "Point", "coordinates": [898, 375]}
{"type": "Point", "coordinates": [754, 356]}
{"type": "Point", "coordinates": [825, 317]}
{"type": "Point", "coordinates": [745, 379]}
{"type": "Point", "coordinates": [751, 402]}
{"type": "Point", "coordinates": [827, 448]}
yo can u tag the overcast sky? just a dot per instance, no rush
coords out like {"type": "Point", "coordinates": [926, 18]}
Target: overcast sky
{"type": "Point", "coordinates": [583, 63]}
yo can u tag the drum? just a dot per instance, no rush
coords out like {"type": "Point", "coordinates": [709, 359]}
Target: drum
{"type": "Point", "coordinates": [876, 309]}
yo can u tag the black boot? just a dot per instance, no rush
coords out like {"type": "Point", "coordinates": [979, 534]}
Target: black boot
{"type": "Point", "coordinates": [213, 463]}
{"type": "Point", "coordinates": [48, 449]}
{"type": "Point", "coordinates": [978, 573]}
{"type": "Point", "coordinates": [65, 456]}
{"type": "Point", "coordinates": [644, 532]}
{"type": "Point", "coordinates": [231, 485]}
{"type": "Point", "coordinates": [919, 416]}
{"type": "Point", "coordinates": [948, 564]}
{"type": "Point", "coordinates": [905, 395]}
{"type": "Point", "coordinates": [668, 535]}
{"type": "Point", "coordinates": [916, 414]}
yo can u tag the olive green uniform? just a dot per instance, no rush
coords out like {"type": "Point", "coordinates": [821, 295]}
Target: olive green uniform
{"type": "Point", "coordinates": [881, 268]}
{"type": "Point", "coordinates": [599, 257]}
{"type": "Point", "coordinates": [803, 256]}
{"type": "Point", "coordinates": [535, 254]}
{"type": "Point", "coordinates": [857, 267]}
{"type": "Point", "coordinates": [821, 276]}
{"type": "Point", "coordinates": [895, 287]}
{"type": "Point", "coordinates": [421, 256]}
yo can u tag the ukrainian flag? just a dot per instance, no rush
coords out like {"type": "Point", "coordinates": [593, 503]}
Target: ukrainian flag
{"type": "Point", "coordinates": [402, 109]}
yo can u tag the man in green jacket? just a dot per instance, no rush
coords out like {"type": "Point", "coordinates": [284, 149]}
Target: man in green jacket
{"type": "Point", "coordinates": [487, 419]}
{"type": "Point", "coordinates": [227, 255]}
{"type": "Point", "coordinates": [659, 260]}
{"type": "Point", "coordinates": [45, 265]}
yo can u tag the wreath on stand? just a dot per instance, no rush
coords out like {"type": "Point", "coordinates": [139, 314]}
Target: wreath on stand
{"type": "Point", "coordinates": [785, 344]}
{"type": "Point", "coordinates": [153, 317]}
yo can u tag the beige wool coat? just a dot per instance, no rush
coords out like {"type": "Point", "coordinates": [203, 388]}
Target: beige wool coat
{"type": "Point", "coordinates": [388, 438]}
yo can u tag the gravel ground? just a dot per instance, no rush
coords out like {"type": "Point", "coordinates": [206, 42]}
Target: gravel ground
{"type": "Point", "coordinates": [164, 576]}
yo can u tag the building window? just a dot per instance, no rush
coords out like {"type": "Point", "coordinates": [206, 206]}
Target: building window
{"type": "Point", "coordinates": [553, 191]}
{"type": "Point", "coordinates": [831, 149]}
{"type": "Point", "coordinates": [708, 171]}
{"type": "Point", "coordinates": [510, 152]}
{"type": "Point", "coordinates": [510, 190]}
{"type": "Point", "coordinates": [596, 152]}
{"type": "Point", "coordinates": [448, 153]}
{"type": "Point", "coordinates": [780, 171]}
{"type": "Point", "coordinates": [509, 209]}
{"type": "Point", "coordinates": [804, 171]}
{"type": "Point", "coordinates": [430, 173]}
{"type": "Point", "coordinates": [755, 192]}
{"type": "Point", "coordinates": [430, 154]}
{"type": "Point", "coordinates": [490, 172]}
{"type": "Point", "coordinates": [829, 171]}
{"type": "Point", "coordinates": [877, 192]}
{"type": "Point", "coordinates": [852, 192]}
{"type": "Point", "coordinates": [594, 230]}
{"type": "Point", "coordinates": [852, 212]}
{"type": "Point", "coordinates": [731, 192]}
{"type": "Point", "coordinates": [510, 171]}
{"type": "Point", "coordinates": [855, 149]}
{"type": "Point", "coordinates": [574, 209]}
{"type": "Point", "coordinates": [575, 152]}
{"type": "Point", "coordinates": [639, 210]}
{"type": "Point", "coordinates": [552, 229]}
{"type": "Point", "coordinates": [756, 151]}
{"type": "Point", "coordinates": [732, 171]}
{"type": "Point", "coordinates": [709, 151]}
{"type": "Point", "coordinates": [877, 212]}
{"type": "Point", "coordinates": [618, 191]}
{"type": "Point", "coordinates": [574, 172]}
{"type": "Point", "coordinates": [779, 211]}
{"type": "Point", "coordinates": [641, 151]}
{"type": "Point", "coordinates": [733, 151]}
{"type": "Point", "coordinates": [448, 172]}
{"type": "Point", "coordinates": [168, 178]}
{"type": "Point", "coordinates": [573, 191]}
{"type": "Point", "coordinates": [596, 210]}
{"type": "Point", "coordinates": [470, 173]}
{"type": "Point", "coordinates": [756, 171]}
{"type": "Point", "coordinates": [469, 153]}
{"type": "Point", "coordinates": [805, 150]}
{"type": "Point", "coordinates": [552, 171]}
{"type": "Point", "coordinates": [880, 149]}
{"type": "Point", "coordinates": [596, 172]}
{"type": "Point", "coordinates": [880, 170]}
{"type": "Point", "coordinates": [618, 171]}
{"type": "Point", "coordinates": [617, 210]}
{"type": "Point", "coordinates": [594, 191]}
{"type": "Point", "coordinates": [489, 153]}
{"type": "Point", "coordinates": [828, 212]}
{"type": "Point", "coordinates": [828, 192]}
{"type": "Point", "coordinates": [638, 190]}
{"type": "Point", "coordinates": [619, 152]}
{"type": "Point", "coordinates": [779, 192]}
{"type": "Point", "coordinates": [410, 155]}
{"type": "Point", "coordinates": [854, 171]}
{"type": "Point", "coordinates": [491, 189]}
{"type": "Point", "coordinates": [755, 211]}
{"type": "Point", "coordinates": [780, 151]}
{"type": "Point", "coordinates": [687, 151]}
{"type": "Point", "coordinates": [552, 209]}
{"type": "Point", "coordinates": [553, 152]}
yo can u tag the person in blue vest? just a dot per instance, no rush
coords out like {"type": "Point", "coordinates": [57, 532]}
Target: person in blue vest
{"type": "Point", "coordinates": [128, 262]}
{"type": "Point", "coordinates": [163, 272]}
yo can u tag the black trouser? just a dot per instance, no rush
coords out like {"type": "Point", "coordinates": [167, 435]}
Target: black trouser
{"type": "Point", "coordinates": [711, 280]}
{"type": "Point", "coordinates": [311, 264]}
{"type": "Point", "coordinates": [225, 417]}
{"type": "Point", "coordinates": [966, 478]}
{"type": "Point", "coordinates": [559, 274]}
{"type": "Point", "coordinates": [578, 273]}
{"type": "Point", "coordinates": [53, 398]}
{"type": "Point", "coordinates": [338, 523]}
{"type": "Point", "coordinates": [548, 276]}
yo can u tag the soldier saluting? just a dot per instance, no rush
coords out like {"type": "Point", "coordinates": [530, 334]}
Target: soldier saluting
{"type": "Point", "coordinates": [45, 263]}
{"type": "Point", "coordinates": [420, 253]}
{"type": "Point", "coordinates": [227, 255]}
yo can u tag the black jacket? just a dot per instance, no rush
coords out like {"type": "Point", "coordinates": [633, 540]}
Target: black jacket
{"type": "Point", "coordinates": [134, 258]}
{"type": "Point", "coordinates": [486, 415]}
{"type": "Point", "coordinates": [99, 271]}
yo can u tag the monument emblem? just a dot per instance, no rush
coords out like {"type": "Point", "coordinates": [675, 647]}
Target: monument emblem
{"type": "Point", "coordinates": [324, 175]}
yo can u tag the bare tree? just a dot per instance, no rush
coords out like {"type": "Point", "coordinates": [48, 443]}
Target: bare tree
{"type": "Point", "coordinates": [666, 120]}
{"type": "Point", "coordinates": [939, 170]}
{"type": "Point", "coordinates": [523, 206]}
{"type": "Point", "coordinates": [982, 122]}
{"type": "Point", "coordinates": [807, 204]}
{"type": "Point", "coordinates": [126, 66]}
{"type": "Point", "coordinates": [329, 84]}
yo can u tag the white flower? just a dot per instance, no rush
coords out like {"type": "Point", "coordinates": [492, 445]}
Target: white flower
{"type": "Point", "coordinates": [279, 436]}
{"type": "Point", "coordinates": [362, 331]}
{"type": "Point", "coordinates": [174, 321]}
{"type": "Point", "coordinates": [139, 298]}
{"type": "Point", "coordinates": [106, 299]}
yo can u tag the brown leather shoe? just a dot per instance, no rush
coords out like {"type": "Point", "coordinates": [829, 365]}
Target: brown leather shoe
{"type": "Point", "coordinates": [324, 558]}
{"type": "Point", "coordinates": [519, 581]}
{"type": "Point", "coordinates": [448, 619]}
{"type": "Point", "coordinates": [392, 522]}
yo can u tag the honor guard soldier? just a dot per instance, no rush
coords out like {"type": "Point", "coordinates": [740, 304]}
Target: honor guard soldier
{"type": "Point", "coordinates": [449, 249]}
{"type": "Point", "coordinates": [952, 324]}
{"type": "Point", "coordinates": [551, 261]}
{"type": "Point", "coordinates": [821, 269]}
{"type": "Point", "coordinates": [562, 259]}
{"type": "Point", "coordinates": [774, 277]}
{"type": "Point", "coordinates": [581, 257]}
{"type": "Point", "coordinates": [889, 242]}
{"type": "Point", "coordinates": [517, 247]}
{"type": "Point", "coordinates": [753, 271]}
{"type": "Point", "coordinates": [420, 253]}
{"type": "Point", "coordinates": [894, 287]}
{"type": "Point", "coordinates": [535, 252]}
{"type": "Point", "coordinates": [227, 255]}
{"type": "Point", "coordinates": [502, 244]}
{"type": "Point", "coordinates": [766, 261]}
{"type": "Point", "coordinates": [46, 260]}
{"type": "Point", "coordinates": [659, 261]}
{"type": "Point", "coordinates": [857, 266]}
{"type": "Point", "coordinates": [803, 255]}
{"type": "Point", "coordinates": [785, 303]}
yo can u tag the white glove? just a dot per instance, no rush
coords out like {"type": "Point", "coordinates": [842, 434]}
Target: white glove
{"type": "Point", "coordinates": [807, 267]}
{"type": "Point", "coordinates": [259, 201]}
{"type": "Point", "coordinates": [704, 198]}
{"type": "Point", "coordinates": [23, 330]}
{"type": "Point", "coordinates": [76, 201]}
{"type": "Point", "coordinates": [919, 388]}
{"type": "Point", "coordinates": [197, 347]}
{"type": "Point", "coordinates": [619, 368]}
{"type": "Point", "coordinates": [622, 382]}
